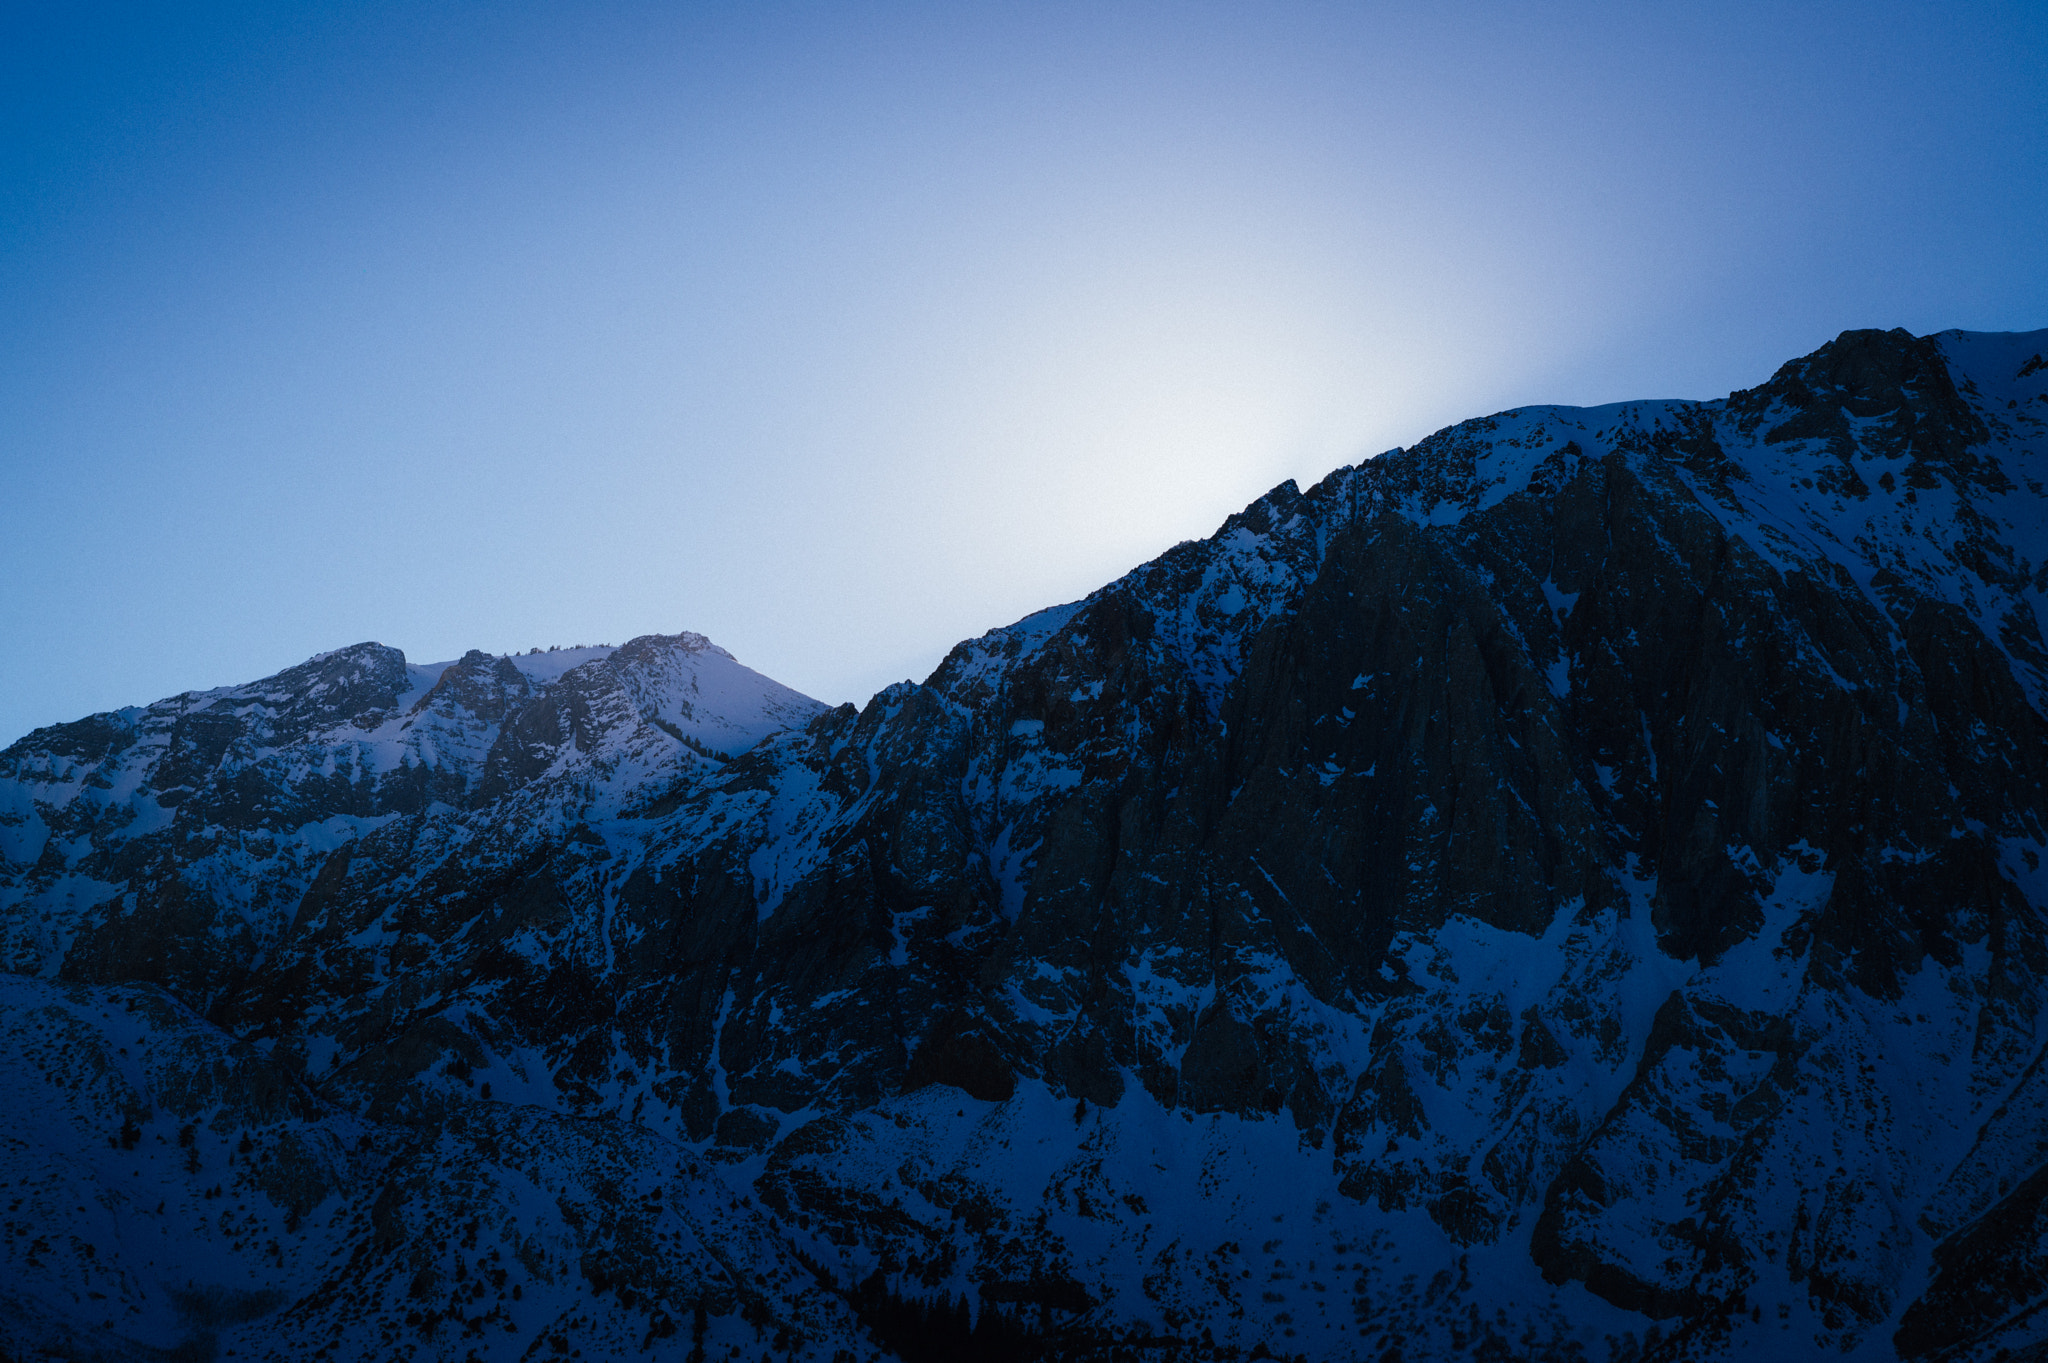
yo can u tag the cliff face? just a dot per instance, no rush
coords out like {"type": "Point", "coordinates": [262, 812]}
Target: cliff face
{"type": "Point", "coordinates": [1571, 886]}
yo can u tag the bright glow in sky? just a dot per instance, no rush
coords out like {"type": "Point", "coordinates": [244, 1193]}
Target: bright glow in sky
{"type": "Point", "coordinates": [842, 332]}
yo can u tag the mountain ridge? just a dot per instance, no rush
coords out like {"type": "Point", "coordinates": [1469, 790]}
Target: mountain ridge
{"type": "Point", "coordinates": [1579, 874]}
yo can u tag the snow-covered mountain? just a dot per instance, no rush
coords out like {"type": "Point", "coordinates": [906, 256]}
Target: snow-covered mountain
{"type": "Point", "coordinates": [1570, 889]}
{"type": "Point", "coordinates": [222, 805]}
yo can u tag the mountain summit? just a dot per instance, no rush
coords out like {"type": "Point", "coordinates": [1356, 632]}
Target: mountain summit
{"type": "Point", "coordinates": [1570, 889]}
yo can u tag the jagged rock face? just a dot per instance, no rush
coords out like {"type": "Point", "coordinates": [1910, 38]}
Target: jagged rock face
{"type": "Point", "coordinates": [1569, 886]}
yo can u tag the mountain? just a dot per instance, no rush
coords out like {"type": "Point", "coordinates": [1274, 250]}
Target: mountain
{"type": "Point", "coordinates": [1570, 889]}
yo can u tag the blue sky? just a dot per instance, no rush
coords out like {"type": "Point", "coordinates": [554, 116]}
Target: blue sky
{"type": "Point", "coordinates": [842, 332]}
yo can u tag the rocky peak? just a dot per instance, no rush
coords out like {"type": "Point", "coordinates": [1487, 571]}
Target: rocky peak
{"type": "Point", "coordinates": [479, 685]}
{"type": "Point", "coordinates": [1887, 395]}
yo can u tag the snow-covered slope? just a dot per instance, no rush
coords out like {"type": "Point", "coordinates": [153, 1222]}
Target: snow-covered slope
{"type": "Point", "coordinates": [1569, 889]}
{"type": "Point", "coordinates": [218, 807]}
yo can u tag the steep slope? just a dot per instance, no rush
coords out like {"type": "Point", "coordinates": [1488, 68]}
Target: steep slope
{"type": "Point", "coordinates": [1570, 888]}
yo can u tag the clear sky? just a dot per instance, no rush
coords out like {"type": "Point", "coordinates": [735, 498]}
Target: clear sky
{"type": "Point", "coordinates": [841, 332]}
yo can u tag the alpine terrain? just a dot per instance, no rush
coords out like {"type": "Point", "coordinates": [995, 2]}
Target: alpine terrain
{"type": "Point", "coordinates": [1571, 890]}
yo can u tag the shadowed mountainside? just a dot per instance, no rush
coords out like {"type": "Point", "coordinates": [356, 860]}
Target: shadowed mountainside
{"type": "Point", "coordinates": [1571, 888]}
